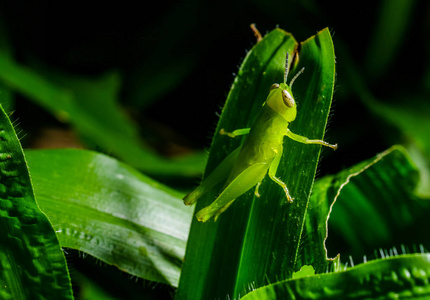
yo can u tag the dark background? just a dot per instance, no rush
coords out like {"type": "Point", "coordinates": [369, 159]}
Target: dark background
{"type": "Point", "coordinates": [190, 51]}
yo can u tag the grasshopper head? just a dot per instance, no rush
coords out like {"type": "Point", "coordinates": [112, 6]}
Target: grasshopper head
{"type": "Point", "coordinates": [281, 100]}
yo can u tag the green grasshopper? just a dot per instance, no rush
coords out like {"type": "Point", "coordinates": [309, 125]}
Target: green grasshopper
{"type": "Point", "coordinates": [259, 155]}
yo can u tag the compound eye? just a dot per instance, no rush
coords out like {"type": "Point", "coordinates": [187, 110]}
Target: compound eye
{"type": "Point", "coordinates": [288, 99]}
{"type": "Point", "coordinates": [274, 86]}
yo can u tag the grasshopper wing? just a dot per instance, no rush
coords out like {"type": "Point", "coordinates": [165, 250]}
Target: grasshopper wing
{"type": "Point", "coordinates": [220, 173]}
{"type": "Point", "coordinates": [238, 186]}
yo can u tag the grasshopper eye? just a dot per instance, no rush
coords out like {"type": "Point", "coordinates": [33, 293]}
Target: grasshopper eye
{"type": "Point", "coordinates": [274, 86]}
{"type": "Point", "coordinates": [288, 99]}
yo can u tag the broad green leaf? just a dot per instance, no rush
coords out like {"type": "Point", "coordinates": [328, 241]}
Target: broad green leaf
{"type": "Point", "coordinates": [378, 208]}
{"type": "Point", "coordinates": [90, 105]}
{"type": "Point", "coordinates": [32, 265]}
{"type": "Point", "coordinates": [398, 277]}
{"type": "Point", "coordinates": [369, 206]}
{"type": "Point", "coordinates": [257, 239]}
{"type": "Point", "coordinates": [103, 207]}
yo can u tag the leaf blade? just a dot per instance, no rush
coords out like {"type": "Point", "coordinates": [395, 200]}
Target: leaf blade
{"type": "Point", "coordinates": [368, 206]}
{"type": "Point", "coordinates": [32, 263]}
{"type": "Point", "coordinates": [224, 247]}
{"type": "Point", "coordinates": [404, 276]}
{"type": "Point", "coordinates": [109, 210]}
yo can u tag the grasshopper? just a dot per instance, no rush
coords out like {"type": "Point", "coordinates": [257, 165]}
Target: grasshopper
{"type": "Point", "coordinates": [258, 156]}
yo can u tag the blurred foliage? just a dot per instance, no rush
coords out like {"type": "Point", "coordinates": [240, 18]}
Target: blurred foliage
{"type": "Point", "coordinates": [173, 63]}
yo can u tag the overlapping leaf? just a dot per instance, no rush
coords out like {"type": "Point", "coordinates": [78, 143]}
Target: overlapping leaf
{"type": "Point", "coordinates": [103, 207]}
{"type": "Point", "coordinates": [400, 277]}
{"type": "Point", "coordinates": [375, 205]}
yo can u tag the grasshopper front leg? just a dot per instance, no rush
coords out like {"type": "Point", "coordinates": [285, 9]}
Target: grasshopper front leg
{"type": "Point", "coordinates": [235, 133]}
{"type": "Point", "coordinates": [305, 140]}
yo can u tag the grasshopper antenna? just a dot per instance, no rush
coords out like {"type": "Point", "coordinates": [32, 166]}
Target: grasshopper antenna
{"type": "Point", "coordinates": [286, 68]}
{"type": "Point", "coordinates": [295, 77]}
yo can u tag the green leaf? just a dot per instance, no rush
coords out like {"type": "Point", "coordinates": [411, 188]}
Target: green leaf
{"type": "Point", "coordinates": [399, 277]}
{"type": "Point", "coordinates": [368, 206]}
{"type": "Point", "coordinates": [32, 263]}
{"type": "Point", "coordinates": [378, 206]}
{"type": "Point", "coordinates": [103, 207]}
{"type": "Point", "coordinates": [257, 240]}
{"type": "Point", "coordinates": [90, 105]}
